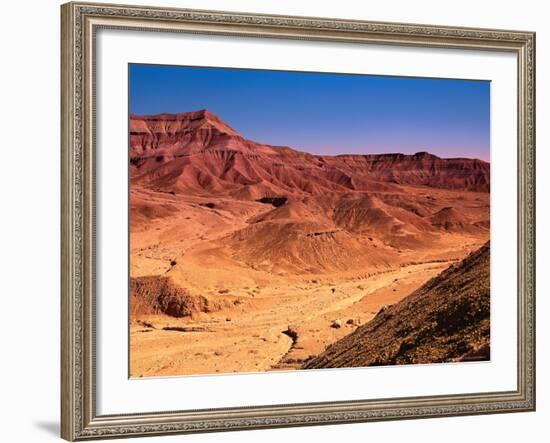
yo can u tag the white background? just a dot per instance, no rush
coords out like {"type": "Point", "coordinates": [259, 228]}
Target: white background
{"type": "Point", "coordinates": [29, 237]}
{"type": "Point", "coordinates": [117, 394]}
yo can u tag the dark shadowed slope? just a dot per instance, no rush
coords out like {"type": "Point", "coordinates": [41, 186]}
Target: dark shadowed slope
{"type": "Point", "coordinates": [445, 320]}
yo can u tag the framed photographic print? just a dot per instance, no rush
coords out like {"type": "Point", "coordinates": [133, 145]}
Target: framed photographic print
{"type": "Point", "coordinates": [282, 221]}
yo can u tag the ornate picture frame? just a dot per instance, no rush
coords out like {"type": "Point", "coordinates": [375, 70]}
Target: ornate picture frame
{"type": "Point", "coordinates": [80, 22]}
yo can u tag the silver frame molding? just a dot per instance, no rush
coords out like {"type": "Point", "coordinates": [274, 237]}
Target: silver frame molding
{"type": "Point", "coordinates": [79, 22]}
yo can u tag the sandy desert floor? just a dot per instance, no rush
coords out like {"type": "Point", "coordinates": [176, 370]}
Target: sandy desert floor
{"type": "Point", "coordinates": [253, 335]}
{"type": "Point", "coordinates": [270, 319]}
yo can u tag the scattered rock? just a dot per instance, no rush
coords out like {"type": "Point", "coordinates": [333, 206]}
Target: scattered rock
{"type": "Point", "coordinates": [336, 324]}
{"type": "Point", "coordinates": [292, 333]}
{"type": "Point", "coordinates": [275, 201]}
{"type": "Point", "coordinates": [146, 324]}
{"type": "Point", "coordinates": [185, 329]}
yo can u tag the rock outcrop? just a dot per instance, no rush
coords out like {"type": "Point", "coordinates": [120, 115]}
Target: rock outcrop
{"type": "Point", "coordinates": [160, 295]}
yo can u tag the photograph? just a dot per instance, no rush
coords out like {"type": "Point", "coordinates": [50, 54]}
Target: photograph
{"type": "Point", "coordinates": [285, 220]}
{"type": "Point", "coordinates": [281, 217]}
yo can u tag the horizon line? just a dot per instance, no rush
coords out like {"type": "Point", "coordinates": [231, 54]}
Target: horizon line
{"type": "Point", "coordinates": [388, 153]}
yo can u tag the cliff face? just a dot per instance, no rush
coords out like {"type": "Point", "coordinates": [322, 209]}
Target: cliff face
{"type": "Point", "coordinates": [446, 320]}
{"type": "Point", "coordinates": [421, 168]}
{"type": "Point", "coordinates": [167, 147]}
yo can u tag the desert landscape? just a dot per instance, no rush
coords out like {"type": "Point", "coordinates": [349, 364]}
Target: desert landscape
{"type": "Point", "coordinates": [251, 257]}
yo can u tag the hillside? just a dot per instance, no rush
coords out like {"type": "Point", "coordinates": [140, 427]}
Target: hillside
{"type": "Point", "coordinates": [233, 242]}
{"type": "Point", "coordinates": [445, 320]}
{"type": "Point", "coordinates": [198, 151]}
{"type": "Point", "coordinates": [322, 213]}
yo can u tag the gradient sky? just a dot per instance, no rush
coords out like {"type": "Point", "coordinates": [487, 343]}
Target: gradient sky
{"type": "Point", "coordinates": [326, 113]}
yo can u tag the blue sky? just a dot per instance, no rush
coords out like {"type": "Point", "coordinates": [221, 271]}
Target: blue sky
{"type": "Point", "coordinates": [326, 113]}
